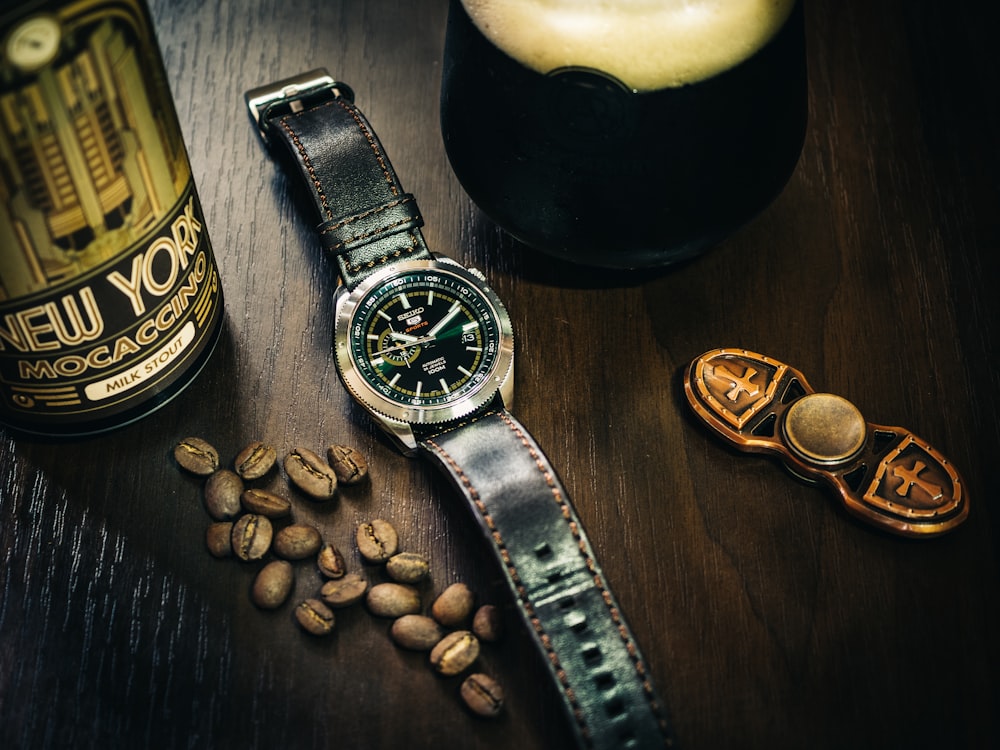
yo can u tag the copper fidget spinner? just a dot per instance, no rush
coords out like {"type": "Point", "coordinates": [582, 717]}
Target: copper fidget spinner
{"type": "Point", "coordinates": [886, 476]}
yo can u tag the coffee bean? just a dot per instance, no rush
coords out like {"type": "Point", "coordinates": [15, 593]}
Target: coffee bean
{"type": "Point", "coordinates": [251, 537]}
{"type": "Point", "coordinates": [393, 600]}
{"type": "Point", "coordinates": [297, 542]}
{"type": "Point", "coordinates": [345, 591]}
{"type": "Point", "coordinates": [453, 606]}
{"type": "Point", "coordinates": [455, 653]}
{"type": "Point", "coordinates": [348, 463]}
{"type": "Point", "coordinates": [255, 460]}
{"type": "Point", "coordinates": [407, 567]}
{"type": "Point", "coordinates": [416, 632]}
{"type": "Point", "coordinates": [222, 495]}
{"type": "Point", "coordinates": [265, 503]}
{"type": "Point", "coordinates": [377, 541]}
{"type": "Point", "coordinates": [482, 694]}
{"type": "Point", "coordinates": [311, 474]}
{"type": "Point", "coordinates": [273, 584]}
{"type": "Point", "coordinates": [197, 456]}
{"type": "Point", "coordinates": [315, 617]}
{"type": "Point", "coordinates": [330, 562]}
{"type": "Point", "coordinates": [218, 539]}
{"type": "Point", "coordinates": [486, 623]}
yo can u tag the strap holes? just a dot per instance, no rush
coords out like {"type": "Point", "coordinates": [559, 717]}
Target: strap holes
{"type": "Point", "coordinates": [592, 654]}
{"type": "Point", "coordinates": [553, 576]}
{"type": "Point", "coordinates": [605, 681]}
{"type": "Point", "coordinates": [616, 707]}
{"type": "Point", "coordinates": [543, 551]}
{"type": "Point", "coordinates": [577, 622]}
{"type": "Point", "coordinates": [568, 603]}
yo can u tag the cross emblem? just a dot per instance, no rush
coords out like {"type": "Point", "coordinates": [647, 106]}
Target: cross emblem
{"type": "Point", "coordinates": [740, 384]}
{"type": "Point", "coordinates": [911, 477]}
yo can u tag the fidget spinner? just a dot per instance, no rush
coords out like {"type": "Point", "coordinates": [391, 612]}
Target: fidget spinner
{"type": "Point", "coordinates": [886, 476]}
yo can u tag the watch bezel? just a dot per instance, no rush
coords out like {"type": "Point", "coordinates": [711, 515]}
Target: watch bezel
{"type": "Point", "coordinates": [499, 378]}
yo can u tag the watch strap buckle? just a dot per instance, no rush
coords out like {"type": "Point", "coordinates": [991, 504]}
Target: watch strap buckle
{"type": "Point", "coordinates": [292, 95]}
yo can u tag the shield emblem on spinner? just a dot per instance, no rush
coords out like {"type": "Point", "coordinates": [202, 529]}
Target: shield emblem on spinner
{"type": "Point", "coordinates": [915, 482]}
{"type": "Point", "coordinates": [736, 385]}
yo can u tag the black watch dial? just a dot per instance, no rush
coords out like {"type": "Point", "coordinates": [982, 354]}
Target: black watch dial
{"type": "Point", "coordinates": [427, 339]}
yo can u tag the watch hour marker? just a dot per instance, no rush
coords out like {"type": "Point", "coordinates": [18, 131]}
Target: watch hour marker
{"type": "Point", "coordinates": [419, 389]}
{"type": "Point", "coordinates": [464, 371]}
{"type": "Point", "coordinates": [430, 297]}
{"type": "Point", "coordinates": [473, 348]}
{"type": "Point", "coordinates": [404, 301]}
{"type": "Point", "coordinates": [395, 378]}
{"type": "Point", "coordinates": [444, 385]}
{"type": "Point", "coordinates": [470, 325]}
{"type": "Point", "coordinates": [384, 314]}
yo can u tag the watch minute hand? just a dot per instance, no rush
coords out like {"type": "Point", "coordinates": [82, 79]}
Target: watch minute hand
{"type": "Point", "coordinates": [444, 321]}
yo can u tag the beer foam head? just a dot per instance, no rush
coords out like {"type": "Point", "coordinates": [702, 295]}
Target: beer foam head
{"type": "Point", "coordinates": [646, 44]}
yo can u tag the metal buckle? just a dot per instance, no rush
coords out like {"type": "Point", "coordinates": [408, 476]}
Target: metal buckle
{"type": "Point", "coordinates": [291, 95]}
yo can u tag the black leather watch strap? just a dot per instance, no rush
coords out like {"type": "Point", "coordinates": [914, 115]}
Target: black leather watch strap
{"type": "Point", "coordinates": [562, 595]}
{"type": "Point", "coordinates": [367, 219]}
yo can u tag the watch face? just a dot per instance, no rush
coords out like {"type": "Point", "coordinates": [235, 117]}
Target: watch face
{"type": "Point", "coordinates": [424, 342]}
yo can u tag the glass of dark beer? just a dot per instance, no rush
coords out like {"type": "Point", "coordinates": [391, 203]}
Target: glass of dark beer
{"type": "Point", "coordinates": [624, 135]}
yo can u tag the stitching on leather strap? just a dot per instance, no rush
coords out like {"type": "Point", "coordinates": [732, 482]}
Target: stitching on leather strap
{"type": "Point", "coordinates": [567, 513]}
{"type": "Point", "coordinates": [372, 143]}
{"type": "Point", "coordinates": [364, 215]}
{"type": "Point", "coordinates": [365, 132]}
{"type": "Point", "coordinates": [515, 576]}
{"type": "Point", "coordinates": [321, 194]}
{"type": "Point", "coordinates": [616, 616]}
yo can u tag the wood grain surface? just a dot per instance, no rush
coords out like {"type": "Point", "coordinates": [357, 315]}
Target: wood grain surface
{"type": "Point", "coordinates": [770, 617]}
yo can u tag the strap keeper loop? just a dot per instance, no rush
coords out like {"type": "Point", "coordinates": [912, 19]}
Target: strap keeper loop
{"type": "Point", "coordinates": [346, 233]}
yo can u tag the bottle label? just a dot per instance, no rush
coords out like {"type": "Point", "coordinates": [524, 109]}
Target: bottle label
{"type": "Point", "coordinates": [109, 291]}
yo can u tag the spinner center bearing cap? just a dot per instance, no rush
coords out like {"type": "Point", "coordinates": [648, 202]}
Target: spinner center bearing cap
{"type": "Point", "coordinates": [825, 429]}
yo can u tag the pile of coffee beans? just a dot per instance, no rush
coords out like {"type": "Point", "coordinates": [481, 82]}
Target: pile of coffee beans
{"type": "Point", "coordinates": [254, 524]}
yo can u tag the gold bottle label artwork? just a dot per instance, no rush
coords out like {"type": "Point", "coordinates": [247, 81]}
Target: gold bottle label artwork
{"type": "Point", "coordinates": [109, 292]}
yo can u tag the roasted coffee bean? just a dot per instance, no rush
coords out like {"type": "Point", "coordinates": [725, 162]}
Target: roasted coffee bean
{"type": "Point", "coordinates": [222, 495]}
{"type": "Point", "coordinates": [416, 632]}
{"type": "Point", "coordinates": [407, 567]}
{"type": "Point", "coordinates": [311, 474]}
{"type": "Point", "coordinates": [393, 600]}
{"type": "Point", "coordinates": [455, 653]}
{"type": "Point", "coordinates": [345, 591]}
{"type": "Point", "coordinates": [218, 539]}
{"type": "Point", "coordinates": [453, 606]}
{"type": "Point", "coordinates": [251, 537]}
{"type": "Point", "coordinates": [348, 463]}
{"type": "Point", "coordinates": [482, 694]}
{"type": "Point", "coordinates": [255, 460]}
{"type": "Point", "coordinates": [297, 542]}
{"type": "Point", "coordinates": [265, 503]}
{"type": "Point", "coordinates": [486, 623]}
{"type": "Point", "coordinates": [377, 541]}
{"type": "Point", "coordinates": [330, 562]}
{"type": "Point", "coordinates": [315, 617]}
{"type": "Point", "coordinates": [273, 584]}
{"type": "Point", "coordinates": [197, 456]}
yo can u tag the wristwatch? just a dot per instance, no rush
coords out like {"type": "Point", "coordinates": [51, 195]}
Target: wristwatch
{"type": "Point", "coordinates": [426, 347]}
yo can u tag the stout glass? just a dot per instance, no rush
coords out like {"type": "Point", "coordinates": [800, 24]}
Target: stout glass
{"type": "Point", "coordinates": [578, 164]}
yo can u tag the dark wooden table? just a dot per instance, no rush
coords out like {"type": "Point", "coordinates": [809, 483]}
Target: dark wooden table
{"type": "Point", "coordinates": [769, 616]}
